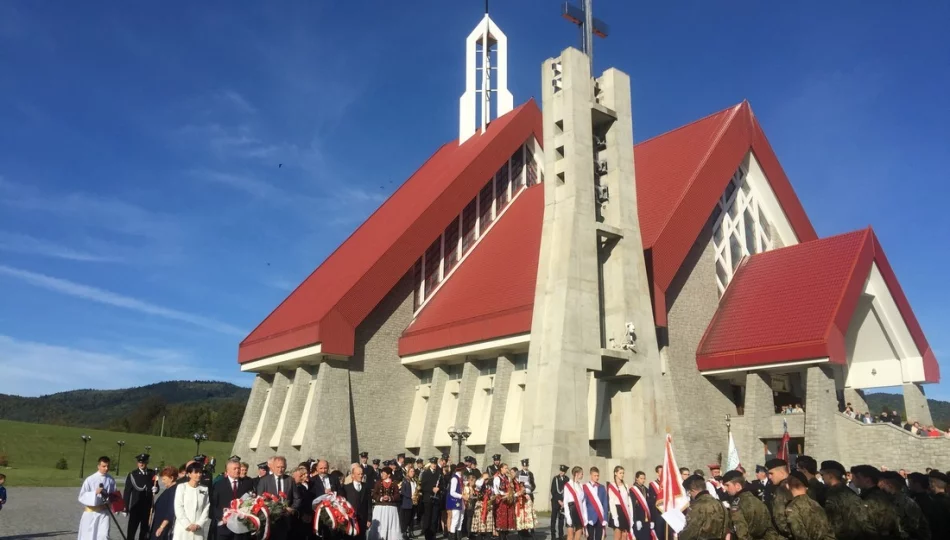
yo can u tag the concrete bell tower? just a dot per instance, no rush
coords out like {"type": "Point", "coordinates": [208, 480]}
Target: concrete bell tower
{"type": "Point", "coordinates": [596, 389]}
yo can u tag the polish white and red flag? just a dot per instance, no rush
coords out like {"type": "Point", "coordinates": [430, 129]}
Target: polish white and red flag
{"type": "Point", "coordinates": [732, 461]}
{"type": "Point", "coordinates": [674, 496]}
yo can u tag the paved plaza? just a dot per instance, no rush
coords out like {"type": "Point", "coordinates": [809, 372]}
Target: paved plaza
{"type": "Point", "coordinates": [46, 513]}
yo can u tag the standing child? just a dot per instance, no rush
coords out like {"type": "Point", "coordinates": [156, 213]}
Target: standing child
{"type": "Point", "coordinates": [3, 491]}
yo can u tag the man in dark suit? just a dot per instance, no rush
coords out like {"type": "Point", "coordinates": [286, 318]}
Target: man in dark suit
{"type": "Point", "coordinates": [357, 493]}
{"type": "Point", "coordinates": [280, 485]}
{"type": "Point", "coordinates": [230, 487]}
{"type": "Point", "coordinates": [429, 484]}
{"type": "Point", "coordinates": [324, 483]}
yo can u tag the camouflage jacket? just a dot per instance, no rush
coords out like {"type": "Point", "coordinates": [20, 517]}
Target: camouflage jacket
{"type": "Point", "coordinates": [913, 524]}
{"type": "Point", "coordinates": [807, 521]}
{"type": "Point", "coordinates": [882, 515]}
{"type": "Point", "coordinates": [751, 519]}
{"type": "Point", "coordinates": [707, 519]}
{"type": "Point", "coordinates": [781, 496]}
{"type": "Point", "coordinates": [847, 513]}
{"type": "Point", "coordinates": [938, 518]}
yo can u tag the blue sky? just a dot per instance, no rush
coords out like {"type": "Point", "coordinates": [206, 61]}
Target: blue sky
{"type": "Point", "coordinates": [145, 226]}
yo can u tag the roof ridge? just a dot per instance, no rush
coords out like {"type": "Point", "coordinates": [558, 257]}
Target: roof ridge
{"type": "Point", "coordinates": [702, 163]}
{"type": "Point", "coordinates": [684, 126]}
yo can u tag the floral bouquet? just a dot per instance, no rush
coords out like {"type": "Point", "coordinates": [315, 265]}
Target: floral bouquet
{"type": "Point", "coordinates": [336, 513]}
{"type": "Point", "coordinates": [252, 513]}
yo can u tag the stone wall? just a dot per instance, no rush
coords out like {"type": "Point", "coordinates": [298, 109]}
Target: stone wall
{"type": "Point", "coordinates": [701, 404]}
{"type": "Point", "coordinates": [381, 389]}
{"type": "Point", "coordinates": [887, 445]}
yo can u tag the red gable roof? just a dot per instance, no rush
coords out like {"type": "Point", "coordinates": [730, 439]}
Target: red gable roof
{"type": "Point", "coordinates": [491, 295]}
{"type": "Point", "coordinates": [796, 303]}
{"type": "Point", "coordinates": [680, 176]}
{"type": "Point", "coordinates": [328, 306]}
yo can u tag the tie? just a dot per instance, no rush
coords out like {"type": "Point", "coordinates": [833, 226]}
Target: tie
{"type": "Point", "coordinates": [234, 487]}
{"type": "Point", "coordinates": [357, 484]}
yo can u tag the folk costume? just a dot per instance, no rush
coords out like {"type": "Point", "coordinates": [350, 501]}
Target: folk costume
{"type": "Point", "coordinates": [454, 504]}
{"type": "Point", "coordinates": [483, 518]}
{"type": "Point", "coordinates": [386, 499]}
{"type": "Point", "coordinates": [525, 517]}
{"type": "Point", "coordinates": [504, 504]}
{"type": "Point", "coordinates": [94, 523]}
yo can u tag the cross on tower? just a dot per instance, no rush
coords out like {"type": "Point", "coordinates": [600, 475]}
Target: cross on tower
{"type": "Point", "coordinates": [584, 18]}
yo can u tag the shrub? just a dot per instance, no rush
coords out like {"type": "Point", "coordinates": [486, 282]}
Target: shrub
{"type": "Point", "coordinates": [61, 464]}
{"type": "Point", "coordinates": [4, 460]}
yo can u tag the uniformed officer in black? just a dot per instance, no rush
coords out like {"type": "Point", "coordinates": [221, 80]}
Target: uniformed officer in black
{"type": "Point", "coordinates": [495, 465]}
{"type": "Point", "coordinates": [140, 490]}
{"type": "Point", "coordinates": [557, 502]}
{"type": "Point", "coordinates": [399, 471]}
{"type": "Point", "coordinates": [429, 483]}
{"type": "Point", "coordinates": [370, 475]}
{"type": "Point", "coordinates": [473, 467]}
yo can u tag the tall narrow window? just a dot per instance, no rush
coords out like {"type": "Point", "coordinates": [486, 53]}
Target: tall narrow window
{"type": "Point", "coordinates": [517, 170]}
{"type": "Point", "coordinates": [433, 256]}
{"type": "Point", "coordinates": [531, 171]}
{"type": "Point", "coordinates": [451, 247]}
{"type": "Point", "coordinates": [501, 188]}
{"type": "Point", "coordinates": [468, 225]}
{"type": "Point", "coordinates": [740, 228]}
{"type": "Point", "coordinates": [485, 208]}
{"type": "Point", "coordinates": [417, 284]}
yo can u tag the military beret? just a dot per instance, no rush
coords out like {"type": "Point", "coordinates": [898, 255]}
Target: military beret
{"type": "Point", "coordinates": [496, 457]}
{"type": "Point", "coordinates": [433, 460]}
{"type": "Point", "coordinates": [868, 471]}
{"type": "Point", "coordinates": [263, 466]}
{"type": "Point", "coordinates": [892, 476]}
{"type": "Point", "coordinates": [800, 476]}
{"type": "Point", "coordinates": [563, 468]}
{"type": "Point", "coordinates": [775, 463]}
{"type": "Point", "coordinates": [376, 461]}
{"type": "Point", "coordinates": [364, 454]}
{"type": "Point", "coordinates": [142, 458]}
{"type": "Point", "coordinates": [832, 466]}
{"type": "Point", "coordinates": [732, 476]}
{"type": "Point", "coordinates": [760, 468]}
{"type": "Point", "coordinates": [937, 475]}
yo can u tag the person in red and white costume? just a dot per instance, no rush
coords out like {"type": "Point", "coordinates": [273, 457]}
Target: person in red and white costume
{"type": "Point", "coordinates": [575, 507]}
{"type": "Point", "coordinates": [620, 509]}
{"type": "Point", "coordinates": [654, 499]}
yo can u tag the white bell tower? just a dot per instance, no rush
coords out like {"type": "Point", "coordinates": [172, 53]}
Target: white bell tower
{"type": "Point", "coordinates": [486, 65]}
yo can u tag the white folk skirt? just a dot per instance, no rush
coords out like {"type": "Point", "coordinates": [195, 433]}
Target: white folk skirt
{"type": "Point", "coordinates": [385, 525]}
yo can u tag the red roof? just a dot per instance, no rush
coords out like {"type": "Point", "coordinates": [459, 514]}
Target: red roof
{"type": "Point", "coordinates": [796, 303]}
{"type": "Point", "coordinates": [491, 295]}
{"type": "Point", "coordinates": [328, 306]}
{"type": "Point", "coordinates": [680, 177]}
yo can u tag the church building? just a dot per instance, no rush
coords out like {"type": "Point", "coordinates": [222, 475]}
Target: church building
{"type": "Point", "coordinates": [543, 288]}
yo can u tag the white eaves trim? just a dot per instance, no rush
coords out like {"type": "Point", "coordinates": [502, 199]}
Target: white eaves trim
{"type": "Point", "coordinates": [273, 361]}
{"type": "Point", "coordinates": [768, 367]}
{"type": "Point", "coordinates": [466, 350]}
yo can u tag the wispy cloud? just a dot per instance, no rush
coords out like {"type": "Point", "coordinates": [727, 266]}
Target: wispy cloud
{"type": "Point", "coordinates": [238, 101]}
{"type": "Point", "coordinates": [30, 245]}
{"type": "Point", "coordinates": [102, 296]}
{"type": "Point", "coordinates": [67, 367]}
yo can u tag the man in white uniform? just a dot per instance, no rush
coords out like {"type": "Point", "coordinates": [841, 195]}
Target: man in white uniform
{"type": "Point", "coordinates": [95, 494]}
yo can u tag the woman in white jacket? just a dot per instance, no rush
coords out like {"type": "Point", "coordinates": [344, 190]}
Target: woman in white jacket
{"type": "Point", "coordinates": [191, 507]}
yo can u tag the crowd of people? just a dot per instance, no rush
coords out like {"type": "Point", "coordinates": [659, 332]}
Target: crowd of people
{"type": "Point", "coordinates": [894, 418]}
{"type": "Point", "coordinates": [393, 499]}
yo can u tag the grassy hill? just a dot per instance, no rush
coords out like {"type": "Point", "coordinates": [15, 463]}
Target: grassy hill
{"type": "Point", "coordinates": [940, 410]}
{"type": "Point", "coordinates": [32, 450]}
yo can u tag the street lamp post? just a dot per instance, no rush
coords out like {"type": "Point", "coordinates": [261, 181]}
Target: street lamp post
{"type": "Point", "coordinates": [82, 467]}
{"type": "Point", "coordinates": [118, 460]}
{"type": "Point", "coordinates": [459, 435]}
{"type": "Point", "coordinates": [198, 437]}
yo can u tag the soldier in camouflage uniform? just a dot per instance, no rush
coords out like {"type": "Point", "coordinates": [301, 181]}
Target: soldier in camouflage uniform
{"type": "Point", "coordinates": [885, 524]}
{"type": "Point", "coordinates": [938, 486]}
{"type": "Point", "coordinates": [778, 472]}
{"type": "Point", "coordinates": [806, 519]}
{"type": "Point", "coordinates": [750, 517]}
{"type": "Point", "coordinates": [809, 467]}
{"type": "Point", "coordinates": [939, 520]}
{"type": "Point", "coordinates": [914, 525]}
{"type": "Point", "coordinates": [845, 510]}
{"type": "Point", "coordinates": [707, 518]}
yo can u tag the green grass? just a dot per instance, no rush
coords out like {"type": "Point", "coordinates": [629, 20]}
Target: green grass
{"type": "Point", "coordinates": [33, 450]}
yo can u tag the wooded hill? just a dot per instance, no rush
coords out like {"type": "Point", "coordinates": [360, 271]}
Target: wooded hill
{"type": "Point", "coordinates": [214, 408]}
{"type": "Point", "coordinates": [940, 410]}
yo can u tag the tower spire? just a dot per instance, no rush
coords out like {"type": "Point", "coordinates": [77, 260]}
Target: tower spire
{"type": "Point", "coordinates": [486, 78]}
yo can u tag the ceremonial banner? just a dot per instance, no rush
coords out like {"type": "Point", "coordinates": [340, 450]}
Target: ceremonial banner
{"type": "Point", "coordinates": [732, 461]}
{"type": "Point", "coordinates": [674, 496]}
{"type": "Point", "coordinates": [783, 444]}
